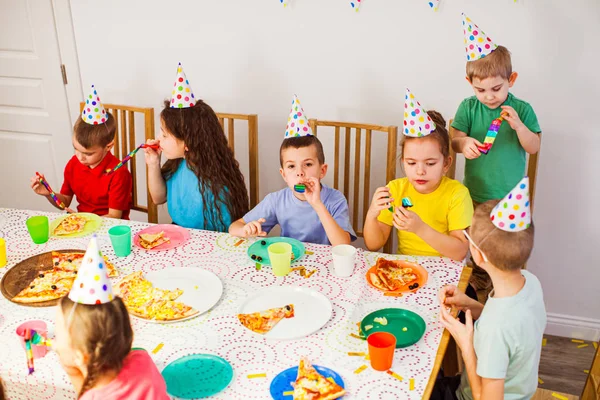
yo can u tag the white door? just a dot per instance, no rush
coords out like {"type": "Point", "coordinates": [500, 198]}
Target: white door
{"type": "Point", "coordinates": [35, 127]}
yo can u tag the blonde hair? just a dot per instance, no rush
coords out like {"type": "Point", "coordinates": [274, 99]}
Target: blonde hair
{"type": "Point", "coordinates": [103, 332]}
{"type": "Point", "coordinates": [507, 251]}
{"type": "Point", "coordinates": [497, 63]}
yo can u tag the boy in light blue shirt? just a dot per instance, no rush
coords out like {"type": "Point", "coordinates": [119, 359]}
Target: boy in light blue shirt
{"type": "Point", "coordinates": [502, 349]}
{"type": "Point", "coordinates": [313, 213]}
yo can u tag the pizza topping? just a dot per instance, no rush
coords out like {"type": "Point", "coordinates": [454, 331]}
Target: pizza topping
{"type": "Point", "coordinates": [381, 320]}
{"type": "Point", "coordinates": [53, 287]}
{"type": "Point", "coordinates": [263, 321]}
{"type": "Point", "coordinates": [391, 276]}
{"type": "Point", "coordinates": [310, 384]}
{"type": "Point", "coordinates": [73, 223]}
{"type": "Point", "coordinates": [40, 275]}
{"type": "Point", "coordinates": [368, 327]}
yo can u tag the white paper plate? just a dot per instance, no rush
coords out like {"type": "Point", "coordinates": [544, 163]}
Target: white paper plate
{"type": "Point", "coordinates": [201, 288]}
{"type": "Point", "coordinates": [312, 310]}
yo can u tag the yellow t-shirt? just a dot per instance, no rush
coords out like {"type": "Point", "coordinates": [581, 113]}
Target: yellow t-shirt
{"type": "Point", "coordinates": [448, 208]}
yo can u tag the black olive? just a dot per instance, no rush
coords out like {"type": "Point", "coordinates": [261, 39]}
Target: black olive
{"type": "Point", "coordinates": [56, 263]}
{"type": "Point", "coordinates": [31, 287]}
{"type": "Point", "coordinates": [41, 275]}
{"type": "Point", "coordinates": [53, 286]}
{"type": "Point", "coordinates": [75, 272]}
{"type": "Point", "coordinates": [259, 258]}
{"type": "Point", "coordinates": [69, 260]}
{"type": "Point", "coordinates": [288, 308]}
{"type": "Point", "coordinates": [416, 285]}
{"type": "Point", "coordinates": [263, 242]}
{"type": "Point", "coordinates": [253, 256]}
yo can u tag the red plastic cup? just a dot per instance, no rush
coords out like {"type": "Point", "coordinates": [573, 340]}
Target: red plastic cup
{"type": "Point", "coordinates": [381, 350]}
{"type": "Point", "coordinates": [41, 328]}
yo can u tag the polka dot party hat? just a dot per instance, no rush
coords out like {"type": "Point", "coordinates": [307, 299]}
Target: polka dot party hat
{"type": "Point", "coordinates": [434, 4]}
{"type": "Point", "coordinates": [297, 121]}
{"type": "Point", "coordinates": [92, 285]}
{"type": "Point", "coordinates": [513, 213]}
{"type": "Point", "coordinates": [93, 113]}
{"type": "Point", "coordinates": [416, 121]}
{"type": "Point", "coordinates": [182, 95]}
{"type": "Point", "coordinates": [477, 43]}
{"type": "Point", "coordinates": [355, 4]}
{"type": "Point", "coordinates": [284, 2]}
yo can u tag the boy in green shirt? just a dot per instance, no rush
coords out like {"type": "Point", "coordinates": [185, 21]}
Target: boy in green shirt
{"type": "Point", "coordinates": [489, 71]}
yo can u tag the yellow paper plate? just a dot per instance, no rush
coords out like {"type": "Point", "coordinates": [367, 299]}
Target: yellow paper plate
{"type": "Point", "coordinates": [90, 227]}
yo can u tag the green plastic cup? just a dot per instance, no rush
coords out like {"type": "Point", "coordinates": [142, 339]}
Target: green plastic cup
{"type": "Point", "coordinates": [280, 255]}
{"type": "Point", "coordinates": [120, 237]}
{"type": "Point", "coordinates": [38, 228]}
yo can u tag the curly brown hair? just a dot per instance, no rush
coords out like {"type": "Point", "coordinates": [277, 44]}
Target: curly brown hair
{"type": "Point", "coordinates": [103, 332]}
{"type": "Point", "coordinates": [210, 158]}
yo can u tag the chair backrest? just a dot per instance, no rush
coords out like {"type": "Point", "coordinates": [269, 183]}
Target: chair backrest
{"type": "Point", "coordinates": [227, 123]}
{"type": "Point", "coordinates": [390, 174]}
{"type": "Point", "coordinates": [126, 141]}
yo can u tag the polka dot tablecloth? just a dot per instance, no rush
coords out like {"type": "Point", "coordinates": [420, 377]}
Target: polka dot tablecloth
{"type": "Point", "coordinates": [219, 332]}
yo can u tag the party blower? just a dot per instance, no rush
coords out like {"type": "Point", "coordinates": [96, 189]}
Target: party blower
{"type": "Point", "coordinates": [130, 155]}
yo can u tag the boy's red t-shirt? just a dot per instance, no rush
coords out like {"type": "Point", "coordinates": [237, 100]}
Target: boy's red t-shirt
{"type": "Point", "coordinates": [97, 191]}
{"type": "Point", "coordinates": [138, 379]}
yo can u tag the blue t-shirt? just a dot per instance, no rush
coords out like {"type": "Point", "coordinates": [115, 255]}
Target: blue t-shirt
{"type": "Point", "coordinates": [185, 203]}
{"type": "Point", "coordinates": [297, 218]}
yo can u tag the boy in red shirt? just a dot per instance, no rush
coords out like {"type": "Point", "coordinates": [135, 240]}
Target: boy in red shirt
{"type": "Point", "coordinates": [97, 192]}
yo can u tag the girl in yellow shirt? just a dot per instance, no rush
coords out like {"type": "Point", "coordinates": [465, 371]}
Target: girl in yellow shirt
{"type": "Point", "coordinates": [441, 207]}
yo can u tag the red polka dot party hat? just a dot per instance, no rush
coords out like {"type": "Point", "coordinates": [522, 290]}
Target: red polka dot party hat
{"type": "Point", "coordinates": [477, 43]}
{"type": "Point", "coordinates": [93, 113]}
{"type": "Point", "coordinates": [297, 121]}
{"type": "Point", "coordinates": [513, 213]}
{"type": "Point", "coordinates": [434, 4]}
{"type": "Point", "coordinates": [355, 4]}
{"type": "Point", "coordinates": [416, 121]}
{"type": "Point", "coordinates": [182, 95]}
{"type": "Point", "coordinates": [92, 285]}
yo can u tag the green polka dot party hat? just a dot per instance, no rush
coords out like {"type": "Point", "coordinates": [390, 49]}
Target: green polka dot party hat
{"type": "Point", "coordinates": [416, 121]}
{"type": "Point", "coordinates": [92, 285]}
{"type": "Point", "coordinates": [297, 121]}
{"type": "Point", "coordinates": [477, 43]}
{"type": "Point", "coordinates": [93, 113]}
{"type": "Point", "coordinates": [182, 95]}
{"type": "Point", "coordinates": [513, 213]}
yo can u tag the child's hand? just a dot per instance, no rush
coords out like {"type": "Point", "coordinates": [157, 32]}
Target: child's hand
{"type": "Point", "coordinates": [254, 228]}
{"type": "Point", "coordinates": [511, 116]}
{"type": "Point", "coordinates": [469, 148]}
{"type": "Point", "coordinates": [38, 187]}
{"type": "Point", "coordinates": [313, 191]}
{"type": "Point", "coordinates": [406, 220]}
{"type": "Point", "coordinates": [152, 156]}
{"type": "Point", "coordinates": [381, 200]}
{"type": "Point", "coordinates": [450, 296]}
{"type": "Point", "coordinates": [462, 334]}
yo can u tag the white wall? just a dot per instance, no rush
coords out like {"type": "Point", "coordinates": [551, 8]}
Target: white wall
{"type": "Point", "coordinates": [251, 56]}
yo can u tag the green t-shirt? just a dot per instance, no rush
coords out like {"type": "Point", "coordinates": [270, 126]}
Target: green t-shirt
{"type": "Point", "coordinates": [493, 175]}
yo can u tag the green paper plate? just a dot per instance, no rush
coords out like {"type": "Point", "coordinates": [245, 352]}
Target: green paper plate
{"type": "Point", "coordinates": [260, 250]}
{"type": "Point", "coordinates": [197, 376]}
{"type": "Point", "coordinates": [90, 227]}
{"type": "Point", "coordinates": [407, 326]}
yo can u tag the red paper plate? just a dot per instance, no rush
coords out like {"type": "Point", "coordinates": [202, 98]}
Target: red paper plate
{"type": "Point", "coordinates": [175, 233]}
{"type": "Point", "coordinates": [421, 273]}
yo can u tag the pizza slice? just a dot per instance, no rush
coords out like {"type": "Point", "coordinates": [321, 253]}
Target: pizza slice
{"type": "Point", "coordinates": [45, 287]}
{"type": "Point", "coordinates": [168, 310]}
{"type": "Point", "coordinates": [150, 241]}
{"type": "Point", "coordinates": [263, 321]}
{"type": "Point", "coordinates": [72, 261]}
{"type": "Point", "coordinates": [71, 224]}
{"type": "Point", "coordinates": [310, 385]}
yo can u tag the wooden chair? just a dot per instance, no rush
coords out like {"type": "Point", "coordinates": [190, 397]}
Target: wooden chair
{"type": "Point", "coordinates": [126, 141]}
{"type": "Point", "coordinates": [227, 123]}
{"type": "Point", "coordinates": [392, 140]}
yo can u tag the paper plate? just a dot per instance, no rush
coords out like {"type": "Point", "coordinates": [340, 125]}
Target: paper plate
{"type": "Point", "coordinates": [312, 310]}
{"type": "Point", "coordinates": [175, 233]}
{"type": "Point", "coordinates": [90, 227]}
{"type": "Point", "coordinates": [197, 376]}
{"type": "Point", "coordinates": [422, 276]}
{"type": "Point", "coordinates": [260, 250]}
{"type": "Point", "coordinates": [407, 326]}
{"type": "Point", "coordinates": [283, 381]}
{"type": "Point", "coordinates": [202, 289]}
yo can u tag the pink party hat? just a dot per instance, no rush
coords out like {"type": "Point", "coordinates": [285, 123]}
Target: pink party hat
{"type": "Point", "coordinates": [355, 4]}
{"type": "Point", "coordinates": [297, 121]}
{"type": "Point", "coordinates": [92, 285]}
{"type": "Point", "coordinates": [93, 113]}
{"type": "Point", "coordinates": [416, 121]}
{"type": "Point", "coordinates": [477, 43]}
{"type": "Point", "coordinates": [182, 95]}
{"type": "Point", "coordinates": [513, 213]}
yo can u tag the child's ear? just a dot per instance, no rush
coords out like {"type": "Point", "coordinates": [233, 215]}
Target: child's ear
{"type": "Point", "coordinates": [468, 80]}
{"type": "Point", "coordinates": [512, 79]}
{"type": "Point", "coordinates": [281, 172]}
{"type": "Point", "coordinates": [80, 360]}
{"type": "Point", "coordinates": [323, 171]}
{"type": "Point", "coordinates": [478, 256]}
{"type": "Point", "coordinates": [109, 146]}
{"type": "Point", "coordinates": [447, 164]}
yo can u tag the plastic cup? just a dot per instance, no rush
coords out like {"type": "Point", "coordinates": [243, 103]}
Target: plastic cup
{"type": "Point", "coordinates": [38, 228]}
{"type": "Point", "coordinates": [120, 237]}
{"type": "Point", "coordinates": [343, 259]}
{"type": "Point", "coordinates": [2, 253]}
{"type": "Point", "coordinates": [381, 350]}
{"type": "Point", "coordinates": [280, 256]}
{"type": "Point", "coordinates": [41, 328]}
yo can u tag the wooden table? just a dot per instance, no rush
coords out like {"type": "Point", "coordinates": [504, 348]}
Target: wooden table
{"type": "Point", "coordinates": [219, 332]}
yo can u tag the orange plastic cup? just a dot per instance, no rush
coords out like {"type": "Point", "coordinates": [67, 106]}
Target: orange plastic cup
{"type": "Point", "coordinates": [381, 350]}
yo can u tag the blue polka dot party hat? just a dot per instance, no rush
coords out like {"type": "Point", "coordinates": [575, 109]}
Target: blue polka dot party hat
{"type": "Point", "coordinates": [182, 95]}
{"type": "Point", "coordinates": [284, 2]}
{"type": "Point", "coordinates": [477, 43]}
{"type": "Point", "coordinates": [92, 285]}
{"type": "Point", "coordinates": [93, 113]}
{"type": "Point", "coordinates": [355, 4]}
{"type": "Point", "coordinates": [416, 121]}
{"type": "Point", "coordinates": [513, 213]}
{"type": "Point", "coordinates": [297, 121]}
